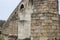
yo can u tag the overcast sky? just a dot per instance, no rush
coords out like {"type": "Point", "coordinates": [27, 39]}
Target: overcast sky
{"type": "Point", "coordinates": [7, 6]}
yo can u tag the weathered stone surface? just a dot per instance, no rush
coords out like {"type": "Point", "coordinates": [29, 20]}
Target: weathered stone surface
{"type": "Point", "coordinates": [36, 19]}
{"type": "Point", "coordinates": [49, 19]}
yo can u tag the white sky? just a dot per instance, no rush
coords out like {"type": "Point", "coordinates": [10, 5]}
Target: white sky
{"type": "Point", "coordinates": [7, 6]}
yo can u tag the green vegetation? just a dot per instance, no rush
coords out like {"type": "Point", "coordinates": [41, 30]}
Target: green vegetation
{"type": "Point", "coordinates": [1, 23]}
{"type": "Point", "coordinates": [1, 37]}
{"type": "Point", "coordinates": [27, 39]}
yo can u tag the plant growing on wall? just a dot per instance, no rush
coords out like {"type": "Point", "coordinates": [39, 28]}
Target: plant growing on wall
{"type": "Point", "coordinates": [1, 37]}
{"type": "Point", "coordinates": [27, 39]}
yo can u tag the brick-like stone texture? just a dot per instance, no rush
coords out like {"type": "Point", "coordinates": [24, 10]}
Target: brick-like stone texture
{"type": "Point", "coordinates": [10, 27]}
{"type": "Point", "coordinates": [38, 20]}
{"type": "Point", "coordinates": [44, 20]}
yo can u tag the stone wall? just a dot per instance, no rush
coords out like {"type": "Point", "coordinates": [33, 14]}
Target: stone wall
{"type": "Point", "coordinates": [44, 20]}
{"type": "Point", "coordinates": [38, 20]}
{"type": "Point", "coordinates": [10, 27]}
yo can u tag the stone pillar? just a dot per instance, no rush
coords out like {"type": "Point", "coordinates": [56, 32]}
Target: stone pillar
{"type": "Point", "coordinates": [24, 24]}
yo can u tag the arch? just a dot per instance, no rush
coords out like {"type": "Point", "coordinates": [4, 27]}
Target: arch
{"type": "Point", "coordinates": [22, 6]}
